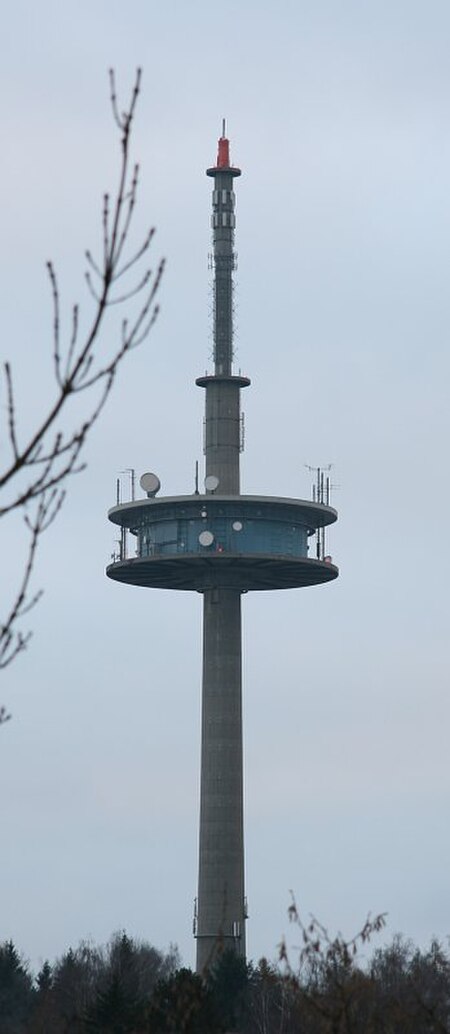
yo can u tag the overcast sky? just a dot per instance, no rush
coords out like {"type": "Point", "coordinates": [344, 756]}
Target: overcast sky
{"type": "Point", "coordinates": [338, 114]}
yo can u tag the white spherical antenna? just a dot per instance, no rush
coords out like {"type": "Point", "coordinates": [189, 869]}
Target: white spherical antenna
{"type": "Point", "coordinates": [211, 483]}
{"type": "Point", "coordinates": [237, 525]}
{"type": "Point", "coordinates": [150, 483]}
{"type": "Point", "coordinates": [206, 538]}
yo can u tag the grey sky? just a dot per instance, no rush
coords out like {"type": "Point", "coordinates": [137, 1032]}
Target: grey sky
{"type": "Point", "coordinates": [338, 115]}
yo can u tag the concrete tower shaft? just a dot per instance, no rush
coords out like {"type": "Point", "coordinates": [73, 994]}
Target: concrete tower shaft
{"type": "Point", "coordinates": [221, 909]}
{"type": "Point", "coordinates": [221, 900]}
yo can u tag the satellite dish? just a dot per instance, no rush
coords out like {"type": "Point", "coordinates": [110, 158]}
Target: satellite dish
{"type": "Point", "coordinates": [211, 483]}
{"type": "Point", "coordinates": [237, 525]}
{"type": "Point", "coordinates": [150, 483]}
{"type": "Point", "coordinates": [206, 538]}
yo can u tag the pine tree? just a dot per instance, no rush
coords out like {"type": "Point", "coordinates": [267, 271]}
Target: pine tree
{"type": "Point", "coordinates": [182, 1005]}
{"type": "Point", "coordinates": [115, 1010]}
{"type": "Point", "coordinates": [44, 979]}
{"type": "Point", "coordinates": [16, 990]}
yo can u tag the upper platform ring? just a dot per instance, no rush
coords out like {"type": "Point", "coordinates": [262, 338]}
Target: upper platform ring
{"type": "Point", "coordinates": [216, 170]}
{"type": "Point", "coordinates": [223, 378]}
{"type": "Point", "coordinates": [311, 514]}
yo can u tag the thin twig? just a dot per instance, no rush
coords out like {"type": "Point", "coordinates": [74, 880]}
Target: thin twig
{"type": "Point", "coordinates": [55, 295]}
{"type": "Point", "coordinates": [11, 411]}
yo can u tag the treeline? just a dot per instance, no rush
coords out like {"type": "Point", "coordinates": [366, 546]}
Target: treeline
{"type": "Point", "coordinates": [129, 987]}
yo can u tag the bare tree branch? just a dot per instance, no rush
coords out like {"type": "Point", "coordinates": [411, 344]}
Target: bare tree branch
{"type": "Point", "coordinates": [12, 642]}
{"type": "Point", "coordinates": [40, 462]}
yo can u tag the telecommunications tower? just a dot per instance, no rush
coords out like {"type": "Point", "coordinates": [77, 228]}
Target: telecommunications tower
{"type": "Point", "coordinates": [222, 544]}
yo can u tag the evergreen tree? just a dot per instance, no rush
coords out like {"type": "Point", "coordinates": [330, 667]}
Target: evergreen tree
{"type": "Point", "coordinates": [44, 979]}
{"type": "Point", "coordinates": [115, 1009]}
{"type": "Point", "coordinates": [182, 1005]}
{"type": "Point", "coordinates": [16, 990]}
{"type": "Point", "coordinates": [44, 1017]}
{"type": "Point", "coordinates": [228, 984]}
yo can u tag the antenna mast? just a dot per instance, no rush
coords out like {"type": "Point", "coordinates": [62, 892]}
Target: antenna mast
{"type": "Point", "coordinates": [223, 222]}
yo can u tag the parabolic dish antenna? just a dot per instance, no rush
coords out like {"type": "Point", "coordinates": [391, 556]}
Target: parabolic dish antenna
{"type": "Point", "coordinates": [150, 483]}
{"type": "Point", "coordinates": [211, 483]}
{"type": "Point", "coordinates": [206, 538]}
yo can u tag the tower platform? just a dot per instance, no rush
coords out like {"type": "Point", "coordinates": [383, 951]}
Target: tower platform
{"type": "Point", "coordinates": [199, 542]}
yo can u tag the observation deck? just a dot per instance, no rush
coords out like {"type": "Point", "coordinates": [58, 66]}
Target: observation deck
{"type": "Point", "coordinates": [200, 542]}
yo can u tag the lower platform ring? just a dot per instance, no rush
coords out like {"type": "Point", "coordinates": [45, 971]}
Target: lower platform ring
{"type": "Point", "coordinates": [191, 572]}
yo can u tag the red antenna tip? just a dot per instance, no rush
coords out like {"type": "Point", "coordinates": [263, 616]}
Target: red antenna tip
{"type": "Point", "coordinates": [223, 153]}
